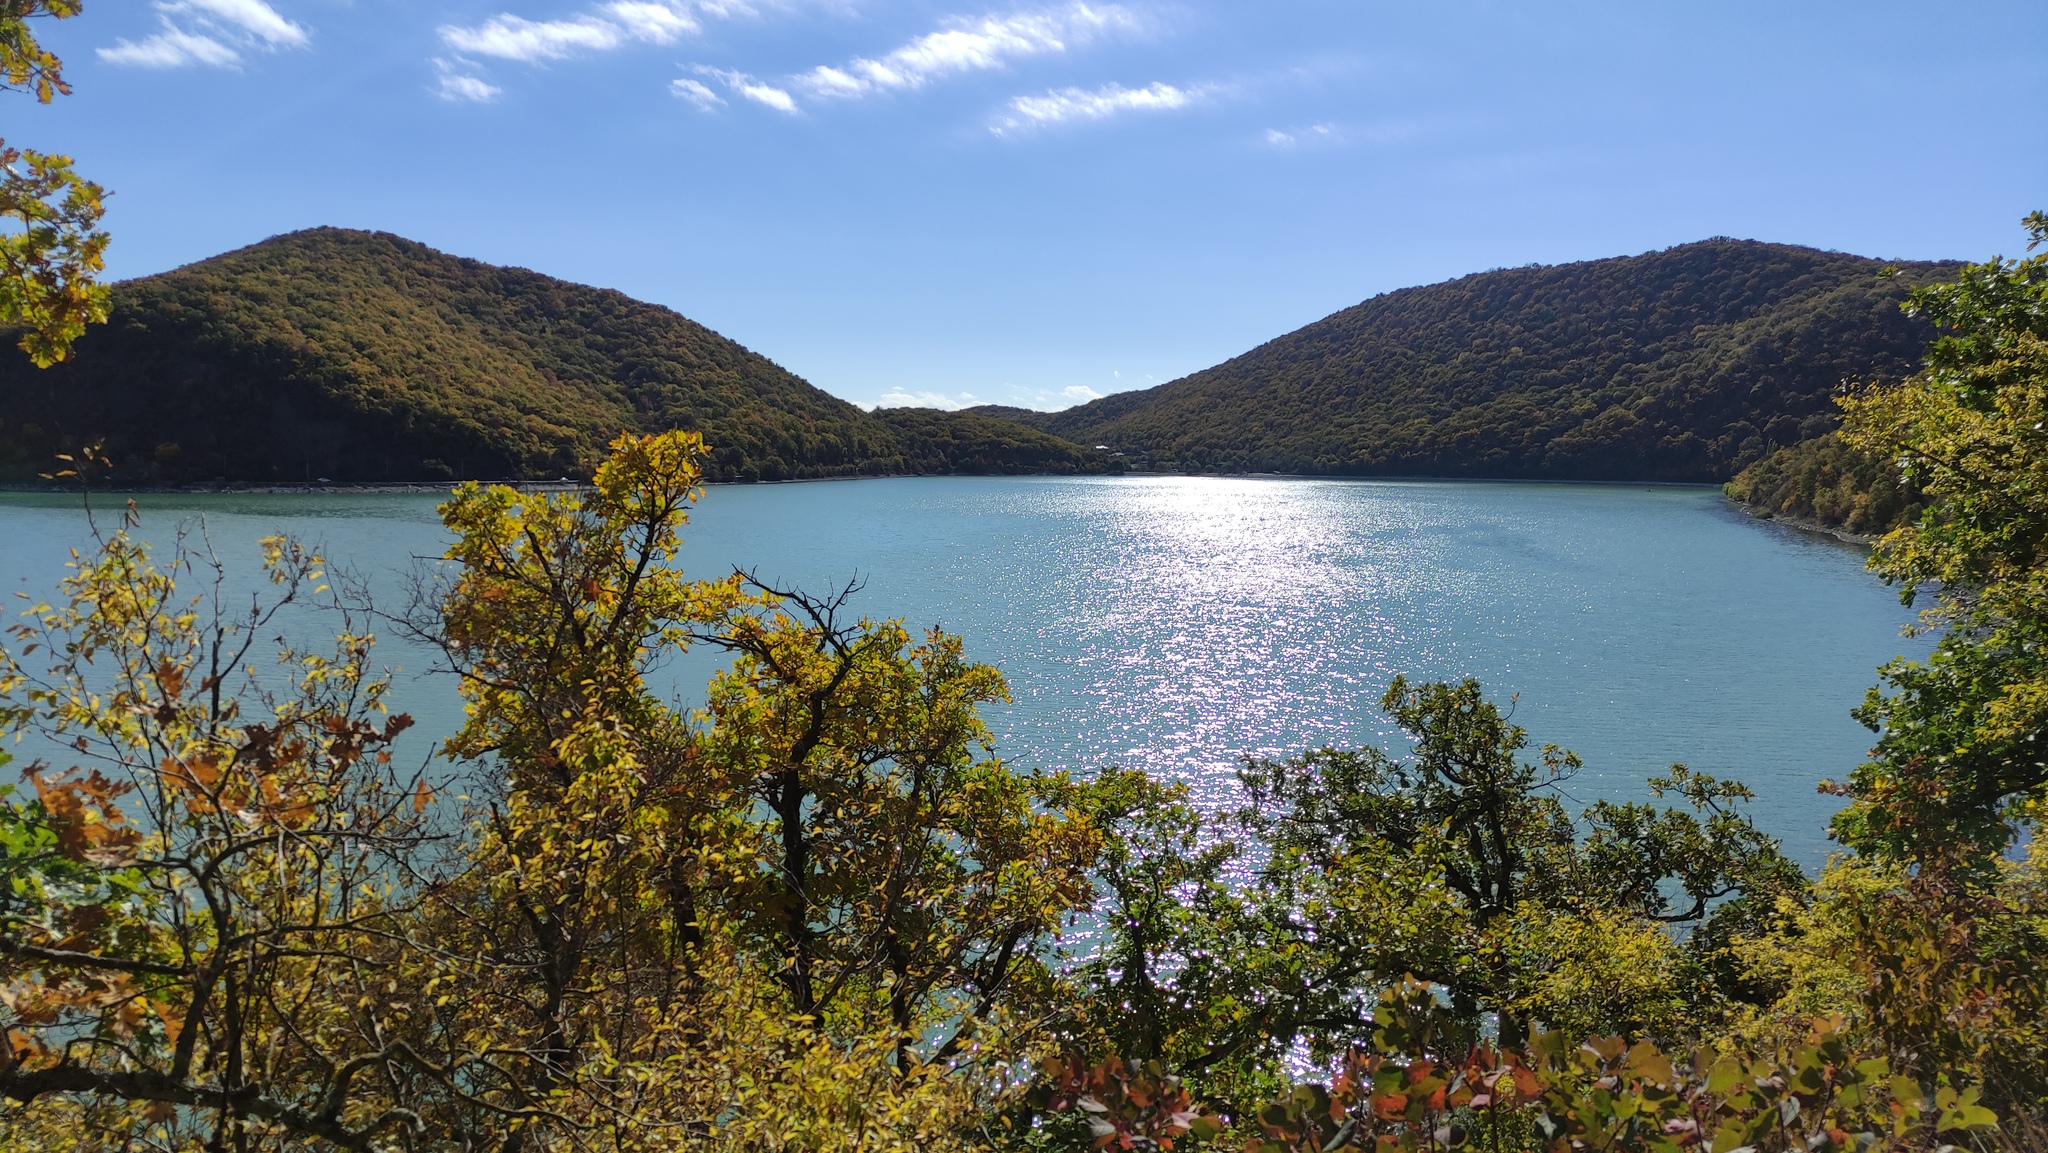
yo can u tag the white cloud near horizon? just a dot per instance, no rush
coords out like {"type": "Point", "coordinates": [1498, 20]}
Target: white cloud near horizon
{"type": "Point", "coordinates": [898, 398]}
{"type": "Point", "coordinates": [1068, 104]}
{"type": "Point", "coordinates": [613, 25]}
{"type": "Point", "coordinates": [1039, 399]}
{"type": "Point", "coordinates": [968, 46]}
{"type": "Point", "coordinates": [207, 32]}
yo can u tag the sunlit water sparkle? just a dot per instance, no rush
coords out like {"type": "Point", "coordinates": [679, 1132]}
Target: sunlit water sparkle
{"type": "Point", "coordinates": [1178, 623]}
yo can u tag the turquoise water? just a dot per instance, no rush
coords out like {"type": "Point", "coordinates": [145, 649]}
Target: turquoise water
{"type": "Point", "coordinates": [1176, 623]}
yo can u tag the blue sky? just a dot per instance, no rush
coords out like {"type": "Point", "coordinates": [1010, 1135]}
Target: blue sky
{"type": "Point", "coordinates": [1034, 203]}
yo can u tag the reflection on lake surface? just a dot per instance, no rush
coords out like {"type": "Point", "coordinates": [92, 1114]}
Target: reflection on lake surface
{"type": "Point", "coordinates": [1175, 623]}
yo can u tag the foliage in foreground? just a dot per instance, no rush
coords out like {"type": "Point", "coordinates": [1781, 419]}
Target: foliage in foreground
{"type": "Point", "coordinates": [805, 918]}
{"type": "Point", "coordinates": [52, 247]}
{"type": "Point", "coordinates": [1963, 745]}
{"type": "Point", "coordinates": [1420, 1082]}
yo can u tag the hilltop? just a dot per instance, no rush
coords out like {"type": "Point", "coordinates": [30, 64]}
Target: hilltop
{"type": "Point", "coordinates": [1680, 365]}
{"type": "Point", "coordinates": [362, 356]}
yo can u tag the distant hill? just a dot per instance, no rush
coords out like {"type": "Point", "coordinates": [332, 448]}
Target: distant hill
{"type": "Point", "coordinates": [971, 442]}
{"type": "Point", "coordinates": [1680, 365]}
{"type": "Point", "coordinates": [361, 356]}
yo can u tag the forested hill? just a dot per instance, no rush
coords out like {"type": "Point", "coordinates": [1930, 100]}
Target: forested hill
{"type": "Point", "coordinates": [1680, 365]}
{"type": "Point", "coordinates": [362, 356]}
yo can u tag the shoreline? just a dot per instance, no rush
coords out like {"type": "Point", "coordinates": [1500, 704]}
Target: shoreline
{"type": "Point", "coordinates": [425, 488]}
{"type": "Point", "coordinates": [416, 488]}
{"type": "Point", "coordinates": [1804, 524]}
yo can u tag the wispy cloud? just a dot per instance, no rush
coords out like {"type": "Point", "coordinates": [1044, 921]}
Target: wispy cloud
{"type": "Point", "coordinates": [250, 16]}
{"type": "Point", "coordinates": [1046, 400]}
{"type": "Point", "coordinates": [1295, 137]}
{"type": "Point", "coordinates": [1068, 104]}
{"type": "Point", "coordinates": [968, 46]}
{"type": "Point", "coordinates": [459, 86]}
{"type": "Point", "coordinates": [1371, 134]}
{"type": "Point", "coordinates": [747, 86]}
{"type": "Point", "coordinates": [171, 48]}
{"type": "Point", "coordinates": [653, 21]}
{"type": "Point", "coordinates": [696, 93]}
{"type": "Point", "coordinates": [471, 88]}
{"type": "Point", "coordinates": [208, 32]}
{"type": "Point", "coordinates": [509, 37]}
{"type": "Point", "coordinates": [517, 38]}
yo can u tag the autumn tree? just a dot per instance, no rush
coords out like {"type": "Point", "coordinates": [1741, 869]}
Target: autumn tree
{"type": "Point", "coordinates": [910, 880]}
{"type": "Point", "coordinates": [830, 822]}
{"type": "Point", "coordinates": [234, 921]}
{"type": "Point", "coordinates": [198, 881]}
{"type": "Point", "coordinates": [53, 249]}
{"type": "Point", "coordinates": [1963, 736]}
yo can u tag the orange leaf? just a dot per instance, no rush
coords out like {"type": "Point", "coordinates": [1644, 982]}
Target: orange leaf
{"type": "Point", "coordinates": [172, 1017]}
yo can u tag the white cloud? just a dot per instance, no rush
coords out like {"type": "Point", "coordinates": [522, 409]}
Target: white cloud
{"type": "Point", "coordinates": [1065, 104]}
{"type": "Point", "coordinates": [171, 48]}
{"type": "Point", "coordinates": [510, 37]}
{"type": "Point", "coordinates": [969, 46]}
{"type": "Point", "coordinates": [457, 85]}
{"type": "Point", "coordinates": [1313, 134]}
{"type": "Point", "coordinates": [207, 32]}
{"type": "Point", "coordinates": [696, 93]}
{"type": "Point", "coordinates": [752, 89]}
{"type": "Point", "coordinates": [516, 38]}
{"type": "Point", "coordinates": [1080, 393]}
{"type": "Point", "coordinates": [251, 16]}
{"type": "Point", "coordinates": [827, 81]}
{"type": "Point", "coordinates": [774, 98]}
{"type": "Point", "coordinates": [644, 20]}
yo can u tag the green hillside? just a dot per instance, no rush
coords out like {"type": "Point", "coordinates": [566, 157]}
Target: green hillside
{"type": "Point", "coordinates": [1825, 483]}
{"type": "Point", "coordinates": [1680, 365]}
{"type": "Point", "coordinates": [362, 356]}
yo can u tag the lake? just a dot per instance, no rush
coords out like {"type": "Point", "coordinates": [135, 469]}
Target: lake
{"type": "Point", "coordinates": [1176, 623]}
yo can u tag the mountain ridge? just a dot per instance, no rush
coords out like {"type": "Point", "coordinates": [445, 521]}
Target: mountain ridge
{"type": "Point", "coordinates": [363, 356]}
{"type": "Point", "coordinates": [1684, 364]}
{"type": "Point", "coordinates": [366, 357]}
